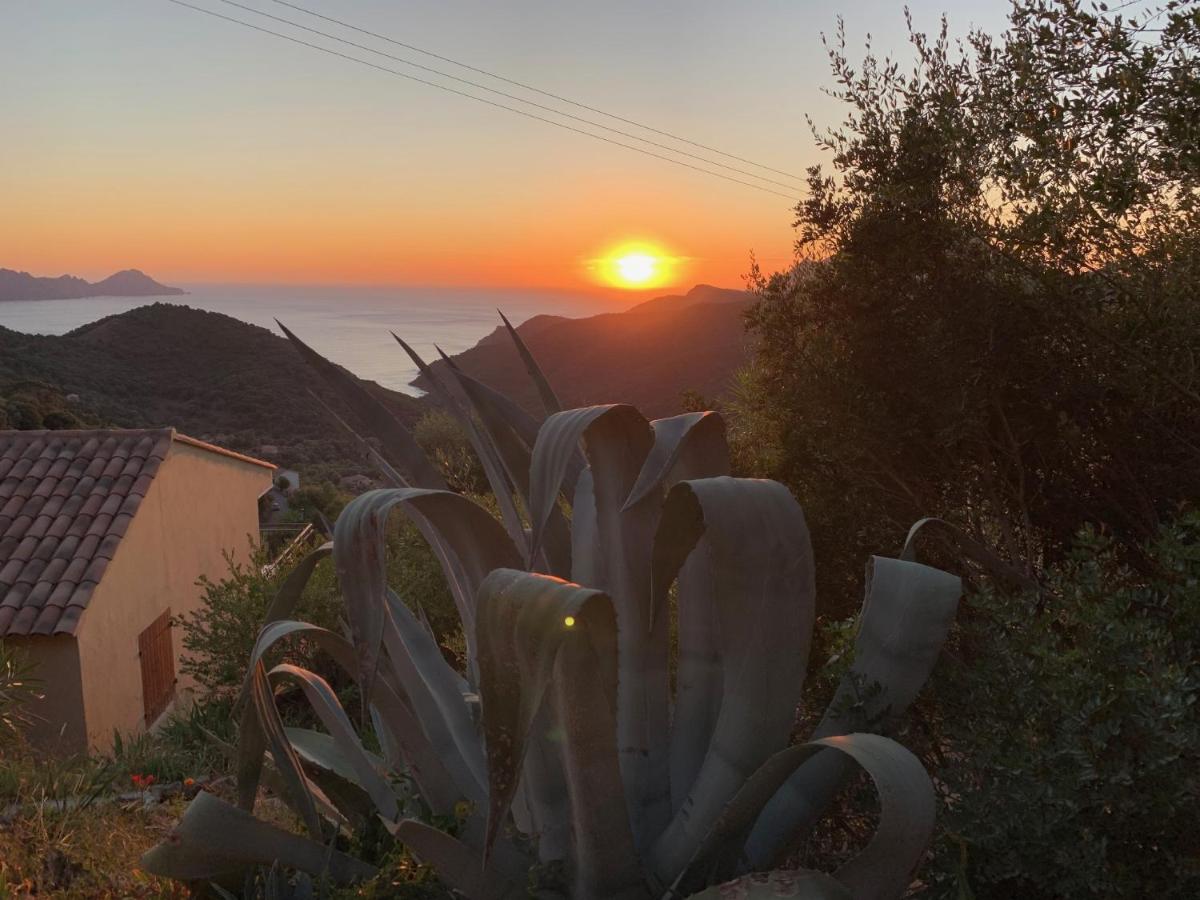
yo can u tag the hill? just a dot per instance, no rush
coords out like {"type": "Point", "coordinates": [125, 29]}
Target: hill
{"type": "Point", "coordinates": [126, 283]}
{"type": "Point", "coordinates": [647, 355]}
{"type": "Point", "coordinates": [210, 375]}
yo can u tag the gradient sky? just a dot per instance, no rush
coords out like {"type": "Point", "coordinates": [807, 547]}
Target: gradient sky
{"type": "Point", "coordinates": [140, 134]}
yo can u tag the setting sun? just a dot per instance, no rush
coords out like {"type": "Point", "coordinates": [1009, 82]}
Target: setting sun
{"type": "Point", "coordinates": [635, 267]}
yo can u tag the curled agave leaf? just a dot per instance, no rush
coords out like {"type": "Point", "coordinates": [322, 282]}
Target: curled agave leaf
{"type": "Point", "coordinates": [907, 613]}
{"type": "Point", "coordinates": [883, 869]}
{"type": "Point", "coordinates": [691, 445]}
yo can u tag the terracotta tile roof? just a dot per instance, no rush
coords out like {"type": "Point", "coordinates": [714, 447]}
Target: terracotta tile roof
{"type": "Point", "coordinates": [66, 498]}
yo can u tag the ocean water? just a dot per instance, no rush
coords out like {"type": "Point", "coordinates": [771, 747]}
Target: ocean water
{"type": "Point", "coordinates": [349, 325]}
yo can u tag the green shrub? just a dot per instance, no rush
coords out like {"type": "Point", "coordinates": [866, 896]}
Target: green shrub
{"type": "Point", "coordinates": [219, 636]}
{"type": "Point", "coordinates": [446, 444]}
{"type": "Point", "coordinates": [1067, 732]}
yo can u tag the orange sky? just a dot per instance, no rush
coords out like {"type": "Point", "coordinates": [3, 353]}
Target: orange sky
{"type": "Point", "coordinates": [144, 135]}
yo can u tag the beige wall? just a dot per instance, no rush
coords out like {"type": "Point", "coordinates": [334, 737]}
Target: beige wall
{"type": "Point", "coordinates": [200, 504]}
{"type": "Point", "coordinates": [58, 716]}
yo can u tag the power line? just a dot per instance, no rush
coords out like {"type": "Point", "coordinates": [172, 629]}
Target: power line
{"type": "Point", "coordinates": [514, 97]}
{"type": "Point", "coordinates": [442, 87]}
{"type": "Point", "coordinates": [530, 87]}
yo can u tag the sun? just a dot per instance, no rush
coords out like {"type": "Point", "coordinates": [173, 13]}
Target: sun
{"type": "Point", "coordinates": [635, 266]}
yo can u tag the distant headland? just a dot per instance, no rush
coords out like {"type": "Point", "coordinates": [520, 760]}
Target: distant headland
{"type": "Point", "coordinates": [126, 283]}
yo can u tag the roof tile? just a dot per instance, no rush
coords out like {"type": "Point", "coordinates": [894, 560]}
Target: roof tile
{"type": "Point", "coordinates": [66, 500]}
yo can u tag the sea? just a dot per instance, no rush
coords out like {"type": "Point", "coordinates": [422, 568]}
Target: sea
{"type": "Point", "coordinates": [349, 325]}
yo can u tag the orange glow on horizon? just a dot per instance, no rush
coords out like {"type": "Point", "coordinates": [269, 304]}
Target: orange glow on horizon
{"type": "Point", "coordinates": [637, 266]}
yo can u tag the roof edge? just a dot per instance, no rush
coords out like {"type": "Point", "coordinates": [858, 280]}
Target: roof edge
{"type": "Point", "coordinates": [221, 451]}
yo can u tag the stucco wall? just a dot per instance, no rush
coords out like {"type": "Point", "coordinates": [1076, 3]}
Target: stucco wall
{"type": "Point", "coordinates": [199, 505]}
{"type": "Point", "coordinates": [58, 724]}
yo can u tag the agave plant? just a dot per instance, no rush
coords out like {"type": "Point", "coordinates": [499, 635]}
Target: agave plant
{"type": "Point", "coordinates": [638, 627]}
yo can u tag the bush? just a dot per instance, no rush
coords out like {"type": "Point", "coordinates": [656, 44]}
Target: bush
{"type": "Point", "coordinates": [1066, 735]}
{"type": "Point", "coordinates": [448, 447]}
{"type": "Point", "coordinates": [218, 638]}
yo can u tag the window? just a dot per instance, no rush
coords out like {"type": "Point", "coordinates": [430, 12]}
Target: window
{"type": "Point", "coordinates": [158, 666]}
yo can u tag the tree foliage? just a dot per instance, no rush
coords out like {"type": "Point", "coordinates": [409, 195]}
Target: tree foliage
{"type": "Point", "coordinates": [993, 313]}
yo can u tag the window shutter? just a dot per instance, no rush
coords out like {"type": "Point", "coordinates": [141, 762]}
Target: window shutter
{"type": "Point", "coordinates": [158, 666]}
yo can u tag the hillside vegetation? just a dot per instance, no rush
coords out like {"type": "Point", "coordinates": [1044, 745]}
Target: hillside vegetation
{"type": "Point", "coordinates": [208, 375]}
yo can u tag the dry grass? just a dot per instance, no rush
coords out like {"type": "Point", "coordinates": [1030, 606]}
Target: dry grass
{"type": "Point", "coordinates": [85, 853]}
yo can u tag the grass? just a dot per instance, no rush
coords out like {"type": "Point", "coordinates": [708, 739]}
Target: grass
{"type": "Point", "coordinates": [85, 852]}
{"type": "Point", "coordinates": [66, 832]}
{"type": "Point", "coordinates": [89, 847]}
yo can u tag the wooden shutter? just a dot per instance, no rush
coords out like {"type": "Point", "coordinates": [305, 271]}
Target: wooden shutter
{"type": "Point", "coordinates": [158, 666]}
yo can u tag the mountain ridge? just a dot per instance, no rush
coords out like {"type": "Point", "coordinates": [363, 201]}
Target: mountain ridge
{"type": "Point", "coordinates": [647, 355]}
{"type": "Point", "coordinates": [15, 285]}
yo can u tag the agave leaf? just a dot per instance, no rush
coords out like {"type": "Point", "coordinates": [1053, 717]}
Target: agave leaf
{"type": "Point", "coordinates": [329, 710]}
{"type": "Point", "coordinates": [542, 804]}
{"type": "Point", "coordinates": [320, 749]}
{"type": "Point", "coordinates": [390, 474]}
{"type": "Point", "coordinates": [906, 617]}
{"type": "Point", "coordinates": [603, 858]}
{"type": "Point", "coordinates": [300, 792]}
{"type": "Point", "coordinates": [215, 839]}
{"type": "Point", "coordinates": [252, 743]}
{"type": "Point", "coordinates": [485, 449]}
{"type": "Point", "coordinates": [284, 603]}
{"type": "Point", "coordinates": [524, 619]}
{"type": "Point", "coordinates": [436, 693]}
{"type": "Point", "coordinates": [260, 723]}
{"type": "Point", "coordinates": [513, 433]}
{"type": "Point", "coordinates": [883, 869]}
{"type": "Point", "coordinates": [549, 399]}
{"type": "Point", "coordinates": [760, 593]}
{"type": "Point", "coordinates": [974, 550]}
{"type": "Point", "coordinates": [615, 543]}
{"type": "Point", "coordinates": [699, 676]}
{"type": "Point", "coordinates": [694, 442]}
{"type": "Point", "coordinates": [426, 767]}
{"type": "Point", "coordinates": [458, 865]}
{"type": "Point", "coordinates": [556, 445]}
{"type": "Point", "coordinates": [395, 723]}
{"type": "Point", "coordinates": [803, 884]}
{"type": "Point", "coordinates": [466, 539]}
{"type": "Point", "coordinates": [399, 445]}
{"type": "Point", "coordinates": [586, 567]}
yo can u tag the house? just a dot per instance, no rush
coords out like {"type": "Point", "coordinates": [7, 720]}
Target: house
{"type": "Point", "coordinates": [103, 534]}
